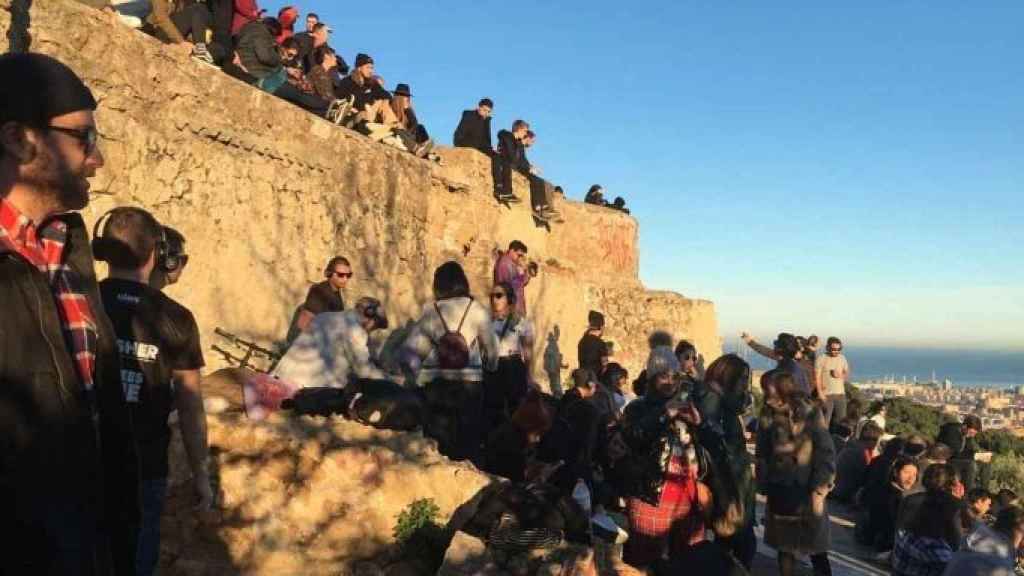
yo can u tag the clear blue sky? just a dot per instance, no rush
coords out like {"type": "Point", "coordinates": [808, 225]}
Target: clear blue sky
{"type": "Point", "coordinates": [840, 168]}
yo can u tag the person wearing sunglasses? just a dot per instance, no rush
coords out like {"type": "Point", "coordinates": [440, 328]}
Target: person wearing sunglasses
{"type": "Point", "coordinates": [833, 372]}
{"type": "Point", "coordinates": [505, 389]}
{"type": "Point", "coordinates": [59, 373]}
{"type": "Point", "coordinates": [325, 296]}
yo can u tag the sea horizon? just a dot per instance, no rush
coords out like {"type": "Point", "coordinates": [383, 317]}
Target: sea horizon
{"type": "Point", "coordinates": [965, 368]}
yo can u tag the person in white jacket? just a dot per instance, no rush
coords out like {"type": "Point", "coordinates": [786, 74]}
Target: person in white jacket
{"type": "Point", "coordinates": [334, 348]}
{"type": "Point", "coordinates": [448, 350]}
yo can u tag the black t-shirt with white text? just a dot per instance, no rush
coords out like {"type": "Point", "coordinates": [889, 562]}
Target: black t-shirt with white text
{"type": "Point", "coordinates": [155, 337]}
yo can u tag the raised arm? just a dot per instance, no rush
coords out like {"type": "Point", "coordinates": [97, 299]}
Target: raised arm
{"type": "Point", "coordinates": [760, 348]}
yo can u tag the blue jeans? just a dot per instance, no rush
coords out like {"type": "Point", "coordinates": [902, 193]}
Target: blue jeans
{"type": "Point", "coordinates": [147, 553]}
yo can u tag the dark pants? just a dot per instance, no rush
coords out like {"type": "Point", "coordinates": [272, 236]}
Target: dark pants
{"type": "Point", "coordinates": [972, 474]}
{"type": "Point", "coordinates": [194, 20]}
{"type": "Point", "coordinates": [147, 552]}
{"type": "Point", "coordinates": [742, 545]}
{"type": "Point", "coordinates": [454, 418]}
{"type": "Point", "coordinates": [501, 171]}
{"type": "Point", "coordinates": [222, 46]}
{"type": "Point", "coordinates": [540, 192]}
{"type": "Point", "coordinates": [53, 538]}
{"type": "Point", "coordinates": [312, 103]}
{"type": "Point", "coordinates": [504, 391]}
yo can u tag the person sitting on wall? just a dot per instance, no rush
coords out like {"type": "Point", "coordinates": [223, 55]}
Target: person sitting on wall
{"type": "Point", "coordinates": [511, 156]}
{"type": "Point", "coordinates": [325, 296]}
{"type": "Point", "coordinates": [474, 130]}
{"type": "Point", "coordinates": [371, 113]}
{"type": "Point", "coordinates": [259, 57]}
{"type": "Point", "coordinates": [175, 22]}
{"type": "Point", "coordinates": [321, 74]}
{"type": "Point", "coordinates": [334, 347]}
{"type": "Point", "coordinates": [595, 195]}
{"type": "Point", "coordinates": [541, 191]}
{"type": "Point", "coordinates": [401, 105]}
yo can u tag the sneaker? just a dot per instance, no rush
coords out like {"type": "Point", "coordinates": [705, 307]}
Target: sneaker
{"type": "Point", "coordinates": [200, 53]}
{"type": "Point", "coordinates": [338, 109]}
{"type": "Point", "coordinates": [511, 198]}
{"type": "Point", "coordinates": [606, 529]}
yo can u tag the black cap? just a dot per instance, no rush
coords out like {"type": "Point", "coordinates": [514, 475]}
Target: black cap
{"type": "Point", "coordinates": [34, 88]}
{"type": "Point", "coordinates": [362, 59]}
{"type": "Point", "coordinates": [403, 90]}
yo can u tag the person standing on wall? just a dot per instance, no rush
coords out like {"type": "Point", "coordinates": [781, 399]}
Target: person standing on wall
{"type": "Point", "coordinates": [511, 156]}
{"type": "Point", "coordinates": [58, 355]}
{"type": "Point", "coordinates": [833, 371]}
{"type": "Point", "coordinates": [161, 360]}
{"type": "Point", "coordinates": [511, 268]}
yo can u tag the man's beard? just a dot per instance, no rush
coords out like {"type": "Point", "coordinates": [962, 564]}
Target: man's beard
{"type": "Point", "coordinates": [51, 176]}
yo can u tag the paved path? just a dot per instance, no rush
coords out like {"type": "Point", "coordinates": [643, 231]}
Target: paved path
{"type": "Point", "coordinates": [847, 557]}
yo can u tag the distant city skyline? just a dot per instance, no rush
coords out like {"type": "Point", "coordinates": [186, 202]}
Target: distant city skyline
{"type": "Point", "coordinates": [852, 169]}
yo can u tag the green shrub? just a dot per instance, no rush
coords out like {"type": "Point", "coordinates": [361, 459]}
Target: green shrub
{"type": "Point", "coordinates": [1007, 472]}
{"type": "Point", "coordinates": [418, 534]}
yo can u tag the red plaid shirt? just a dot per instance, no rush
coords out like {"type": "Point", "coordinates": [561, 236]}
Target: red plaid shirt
{"type": "Point", "coordinates": [44, 249]}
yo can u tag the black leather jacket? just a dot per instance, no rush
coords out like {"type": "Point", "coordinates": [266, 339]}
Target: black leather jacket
{"type": "Point", "coordinates": [51, 485]}
{"type": "Point", "coordinates": [650, 435]}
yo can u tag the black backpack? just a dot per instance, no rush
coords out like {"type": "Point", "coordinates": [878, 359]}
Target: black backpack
{"type": "Point", "coordinates": [452, 349]}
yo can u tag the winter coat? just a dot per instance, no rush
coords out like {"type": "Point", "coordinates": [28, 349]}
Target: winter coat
{"type": "Point", "coordinates": [51, 473]}
{"type": "Point", "coordinates": [851, 471]}
{"type": "Point", "coordinates": [474, 131]}
{"type": "Point", "coordinates": [258, 51]}
{"type": "Point", "coordinates": [952, 434]}
{"type": "Point", "coordinates": [721, 434]}
{"type": "Point", "coordinates": [651, 436]}
{"type": "Point", "coordinates": [795, 457]}
{"type": "Point", "coordinates": [512, 151]}
{"type": "Point", "coordinates": [583, 422]}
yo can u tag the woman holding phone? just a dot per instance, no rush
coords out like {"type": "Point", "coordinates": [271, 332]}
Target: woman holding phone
{"type": "Point", "coordinates": [667, 503]}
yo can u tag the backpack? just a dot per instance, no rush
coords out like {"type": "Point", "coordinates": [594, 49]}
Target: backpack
{"type": "Point", "coordinates": [452, 349]}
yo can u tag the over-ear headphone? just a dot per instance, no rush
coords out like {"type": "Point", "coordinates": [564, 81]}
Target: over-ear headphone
{"type": "Point", "coordinates": [102, 247]}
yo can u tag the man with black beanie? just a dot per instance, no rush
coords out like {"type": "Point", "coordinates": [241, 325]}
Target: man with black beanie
{"type": "Point", "coordinates": [58, 356]}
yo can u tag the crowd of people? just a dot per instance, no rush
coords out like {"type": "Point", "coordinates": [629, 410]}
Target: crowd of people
{"type": "Point", "coordinates": [91, 371]}
{"type": "Point", "coordinates": [302, 68]}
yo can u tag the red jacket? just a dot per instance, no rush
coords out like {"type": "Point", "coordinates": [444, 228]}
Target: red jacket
{"type": "Point", "coordinates": [245, 11]}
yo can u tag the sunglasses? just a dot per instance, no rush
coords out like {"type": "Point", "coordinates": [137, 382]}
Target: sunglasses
{"type": "Point", "coordinates": [87, 136]}
{"type": "Point", "coordinates": [498, 296]}
{"type": "Point", "coordinates": [343, 274]}
{"type": "Point", "coordinates": [835, 349]}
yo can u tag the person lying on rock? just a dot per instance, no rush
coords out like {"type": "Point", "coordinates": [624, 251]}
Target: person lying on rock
{"type": "Point", "coordinates": [335, 348]}
{"type": "Point", "coordinates": [161, 360]}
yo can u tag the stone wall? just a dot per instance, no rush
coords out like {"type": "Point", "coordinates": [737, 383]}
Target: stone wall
{"type": "Point", "coordinates": [265, 193]}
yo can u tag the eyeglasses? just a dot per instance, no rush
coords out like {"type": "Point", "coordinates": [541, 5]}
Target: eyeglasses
{"type": "Point", "coordinates": [87, 136]}
{"type": "Point", "coordinates": [498, 296]}
{"type": "Point", "coordinates": [343, 274]}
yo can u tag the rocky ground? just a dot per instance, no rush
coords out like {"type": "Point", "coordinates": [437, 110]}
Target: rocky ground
{"type": "Point", "coordinates": [310, 496]}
